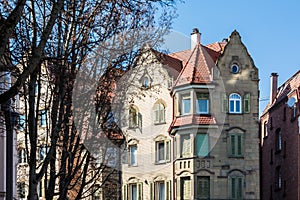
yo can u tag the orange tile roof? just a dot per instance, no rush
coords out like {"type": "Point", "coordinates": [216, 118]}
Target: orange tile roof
{"type": "Point", "coordinates": [193, 120]}
{"type": "Point", "coordinates": [197, 65]}
{"type": "Point", "coordinates": [170, 61]}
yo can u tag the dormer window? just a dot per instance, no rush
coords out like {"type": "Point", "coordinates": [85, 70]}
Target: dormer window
{"type": "Point", "coordinates": [145, 82]}
{"type": "Point", "coordinates": [235, 68]}
{"type": "Point", "coordinates": [202, 105]}
{"type": "Point", "coordinates": [185, 104]}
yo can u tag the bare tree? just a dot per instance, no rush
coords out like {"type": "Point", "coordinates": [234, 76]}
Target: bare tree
{"type": "Point", "coordinates": [48, 43]}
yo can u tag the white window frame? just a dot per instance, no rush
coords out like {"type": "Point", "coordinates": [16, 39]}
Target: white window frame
{"type": "Point", "coordinates": [132, 155]}
{"type": "Point", "coordinates": [204, 99]}
{"type": "Point", "coordinates": [166, 153]}
{"type": "Point", "coordinates": [183, 98]}
{"type": "Point", "coordinates": [234, 97]}
{"type": "Point", "coordinates": [159, 113]}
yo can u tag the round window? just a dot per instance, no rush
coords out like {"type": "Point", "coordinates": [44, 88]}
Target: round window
{"type": "Point", "coordinates": [235, 69]}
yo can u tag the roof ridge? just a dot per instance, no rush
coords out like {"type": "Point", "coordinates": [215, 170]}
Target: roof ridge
{"type": "Point", "coordinates": [186, 64]}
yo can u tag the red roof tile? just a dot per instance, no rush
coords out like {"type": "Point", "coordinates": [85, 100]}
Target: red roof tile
{"type": "Point", "coordinates": [197, 66]}
{"type": "Point", "coordinates": [193, 120]}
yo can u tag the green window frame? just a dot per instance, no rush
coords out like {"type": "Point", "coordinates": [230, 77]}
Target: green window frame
{"type": "Point", "coordinates": [236, 187]}
{"type": "Point", "coordinates": [247, 103]}
{"type": "Point", "coordinates": [203, 187]}
{"type": "Point", "coordinates": [236, 147]}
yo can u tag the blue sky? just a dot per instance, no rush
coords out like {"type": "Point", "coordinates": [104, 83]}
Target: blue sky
{"type": "Point", "coordinates": [269, 29]}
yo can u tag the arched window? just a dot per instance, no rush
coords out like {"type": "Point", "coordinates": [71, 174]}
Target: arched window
{"type": "Point", "coordinates": [159, 113]}
{"type": "Point", "coordinates": [235, 103]}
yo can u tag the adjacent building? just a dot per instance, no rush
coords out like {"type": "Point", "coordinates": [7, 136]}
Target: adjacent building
{"type": "Point", "coordinates": [279, 140]}
{"type": "Point", "coordinates": [191, 123]}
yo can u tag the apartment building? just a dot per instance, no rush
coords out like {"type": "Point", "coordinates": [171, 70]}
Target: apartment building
{"type": "Point", "coordinates": [279, 140]}
{"type": "Point", "coordinates": [193, 134]}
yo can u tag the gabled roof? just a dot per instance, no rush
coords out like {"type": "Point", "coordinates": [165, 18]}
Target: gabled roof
{"type": "Point", "coordinates": [292, 84]}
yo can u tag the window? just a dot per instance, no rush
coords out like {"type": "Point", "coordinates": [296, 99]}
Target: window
{"type": "Point", "coordinates": [133, 118]}
{"type": "Point", "coordinates": [202, 103]}
{"type": "Point", "coordinates": [224, 103]}
{"type": "Point", "coordinates": [236, 145]}
{"type": "Point", "coordinates": [21, 190]}
{"type": "Point", "coordinates": [266, 129]}
{"type": "Point", "coordinates": [133, 155]}
{"type": "Point", "coordinates": [278, 140]}
{"type": "Point", "coordinates": [202, 145]}
{"type": "Point", "coordinates": [185, 104]}
{"type": "Point", "coordinates": [236, 190]}
{"type": "Point", "coordinates": [163, 151]}
{"type": "Point", "coordinates": [235, 68]}
{"type": "Point", "coordinates": [159, 113]}
{"type": "Point", "coordinates": [43, 114]}
{"type": "Point", "coordinates": [247, 103]}
{"type": "Point", "coordinates": [22, 155]}
{"type": "Point", "coordinates": [185, 188]}
{"type": "Point", "coordinates": [235, 102]}
{"type": "Point", "coordinates": [161, 190]}
{"type": "Point", "coordinates": [203, 187]}
{"type": "Point", "coordinates": [185, 145]}
{"type": "Point", "coordinates": [135, 191]}
{"type": "Point", "coordinates": [21, 122]}
{"type": "Point", "coordinates": [145, 82]}
{"type": "Point", "coordinates": [278, 180]}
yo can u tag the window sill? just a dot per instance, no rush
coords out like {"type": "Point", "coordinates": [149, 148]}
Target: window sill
{"type": "Point", "coordinates": [159, 123]}
{"type": "Point", "coordinates": [237, 157]}
{"type": "Point", "coordinates": [160, 162]}
{"type": "Point", "coordinates": [132, 165]}
{"type": "Point", "coordinates": [278, 151]}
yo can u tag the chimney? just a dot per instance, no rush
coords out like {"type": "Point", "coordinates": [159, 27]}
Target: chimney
{"type": "Point", "coordinates": [273, 87]}
{"type": "Point", "coordinates": [195, 38]}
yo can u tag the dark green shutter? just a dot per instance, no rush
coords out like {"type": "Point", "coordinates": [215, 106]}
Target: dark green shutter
{"type": "Point", "coordinates": [151, 191]}
{"type": "Point", "coordinates": [140, 191]}
{"type": "Point", "coordinates": [247, 103]}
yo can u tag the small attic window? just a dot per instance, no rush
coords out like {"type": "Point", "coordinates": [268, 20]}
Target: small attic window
{"type": "Point", "coordinates": [235, 68]}
{"type": "Point", "coordinates": [145, 82]}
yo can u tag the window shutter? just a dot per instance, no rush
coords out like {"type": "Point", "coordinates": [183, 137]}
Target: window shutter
{"type": "Point", "coordinates": [140, 120]}
{"type": "Point", "coordinates": [168, 194]}
{"type": "Point", "coordinates": [151, 191]}
{"type": "Point", "coordinates": [232, 145]}
{"type": "Point", "coordinates": [239, 188]}
{"type": "Point", "coordinates": [156, 113]}
{"type": "Point", "coordinates": [168, 151]}
{"type": "Point", "coordinates": [239, 145]}
{"type": "Point", "coordinates": [247, 103]}
{"type": "Point", "coordinates": [233, 188]}
{"type": "Point", "coordinates": [224, 103]}
{"type": "Point", "coordinates": [140, 191]}
{"type": "Point", "coordinates": [125, 193]}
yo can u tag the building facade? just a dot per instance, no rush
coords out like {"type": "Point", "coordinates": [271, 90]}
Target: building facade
{"type": "Point", "coordinates": [202, 141]}
{"type": "Point", "coordinates": [279, 140]}
{"type": "Point", "coordinates": [145, 113]}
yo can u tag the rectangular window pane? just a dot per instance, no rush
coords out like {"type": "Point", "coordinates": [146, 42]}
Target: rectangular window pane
{"type": "Point", "coordinates": [239, 145]}
{"type": "Point", "coordinates": [232, 141]}
{"type": "Point", "coordinates": [202, 146]}
{"type": "Point", "coordinates": [186, 104]}
{"type": "Point", "coordinates": [133, 155]}
{"type": "Point", "coordinates": [203, 187]}
{"type": "Point", "coordinates": [160, 151]}
{"type": "Point", "coordinates": [202, 103]}
{"type": "Point", "coordinates": [238, 106]}
{"type": "Point", "coordinates": [161, 190]}
{"type": "Point", "coordinates": [133, 192]}
{"type": "Point", "coordinates": [185, 145]}
{"type": "Point", "coordinates": [231, 106]}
